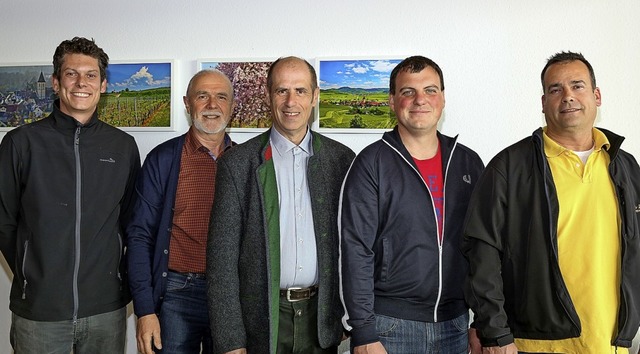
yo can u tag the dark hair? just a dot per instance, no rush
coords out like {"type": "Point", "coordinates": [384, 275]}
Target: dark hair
{"type": "Point", "coordinates": [566, 57]}
{"type": "Point", "coordinates": [80, 45]}
{"type": "Point", "coordinates": [414, 64]}
{"type": "Point", "coordinates": [312, 71]}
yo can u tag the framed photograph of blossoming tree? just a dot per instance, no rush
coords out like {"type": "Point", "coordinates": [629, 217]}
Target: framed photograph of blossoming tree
{"type": "Point", "coordinates": [354, 94]}
{"type": "Point", "coordinates": [249, 80]}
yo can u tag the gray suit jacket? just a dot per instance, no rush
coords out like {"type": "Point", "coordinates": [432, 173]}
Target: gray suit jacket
{"type": "Point", "coordinates": [243, 253]}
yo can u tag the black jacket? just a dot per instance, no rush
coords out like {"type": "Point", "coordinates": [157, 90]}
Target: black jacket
{"type": "Point", "coordinates": [64, 190]}
{"type": "Point", "coordinates": [515, 287]}
{"type": "Point", "coordinates": [391, 261]}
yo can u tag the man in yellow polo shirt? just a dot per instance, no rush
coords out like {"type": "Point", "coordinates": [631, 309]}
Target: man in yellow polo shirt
{"type": "Point", "coordinates": [552, 233]}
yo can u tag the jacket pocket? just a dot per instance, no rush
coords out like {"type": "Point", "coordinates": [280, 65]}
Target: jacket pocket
{"type": "Point", "coordinates": [386, 259]}
{"type": "Point", "coordinates": [23, 269]}
{"type": "Point", "coordinates": [120, 253]}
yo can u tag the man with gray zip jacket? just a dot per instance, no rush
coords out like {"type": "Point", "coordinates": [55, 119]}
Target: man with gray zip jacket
{"type": "Point", "coordinates": [65, 186]}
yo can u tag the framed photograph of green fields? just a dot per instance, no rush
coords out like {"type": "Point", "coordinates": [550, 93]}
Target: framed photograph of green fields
{"type": "Point", "coordinates": [354, 94]}
{"type": "Point", "coordinates": [138, 96]}
{"type": "Point", "coordinates": [249, 80]}
{"type": "Point", "coordinates": [26, 94]}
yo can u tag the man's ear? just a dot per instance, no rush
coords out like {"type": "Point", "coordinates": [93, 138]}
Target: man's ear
{"type": "Point", "coordinates": [186, 104]}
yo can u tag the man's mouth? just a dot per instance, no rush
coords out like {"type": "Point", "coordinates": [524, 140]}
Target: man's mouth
{"type": "Point", "coordinates": [80, 94]}
{"type": "Point", "coordinates": [211, 115]}
{"type": "Point", "coordinates": [570, 110]}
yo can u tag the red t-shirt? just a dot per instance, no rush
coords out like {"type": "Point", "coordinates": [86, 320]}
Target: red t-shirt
{"type": "Point", "coordinates": [431, 171]}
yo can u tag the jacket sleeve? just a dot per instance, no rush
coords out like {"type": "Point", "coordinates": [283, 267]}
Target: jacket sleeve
{"type": "Point", "coordinates": [9, 200]}
{"type": "Point", "coordinates": [358, 229]}
{"type": "Point", "coordinates": [142, 233]}
{"type": "Point", "coordinates": [223, 252]}
{"type": "Point", "coordinates": [483, 246]}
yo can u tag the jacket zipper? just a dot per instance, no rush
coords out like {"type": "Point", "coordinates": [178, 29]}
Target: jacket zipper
{"type": "Point", "coordinates": [76, 266]}
{"type": "Point", "coordinates": [545, 175]}
{"type": "Point", "coordinates": [440, 242]}
{"type": "Point", "coordinates": [24, 274]}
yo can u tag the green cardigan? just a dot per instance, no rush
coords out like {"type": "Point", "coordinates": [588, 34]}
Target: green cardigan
{"type": "Point", "coordinates": [243, 251]}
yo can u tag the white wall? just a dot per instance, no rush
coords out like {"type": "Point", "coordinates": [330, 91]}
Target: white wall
{"type": "Point", "coordinates": [491, 53]}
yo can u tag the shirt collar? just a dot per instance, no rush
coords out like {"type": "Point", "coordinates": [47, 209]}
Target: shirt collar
{"type": "Point", "coordinates": [283, 145]}
{"type": "Point", "coordinates": [552, 149]}
{"type": "Point", "coordinates": [193, 145]}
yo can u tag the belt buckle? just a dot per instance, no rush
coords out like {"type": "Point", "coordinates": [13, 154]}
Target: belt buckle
{"type": "Point", "coordinates": [289, 294]}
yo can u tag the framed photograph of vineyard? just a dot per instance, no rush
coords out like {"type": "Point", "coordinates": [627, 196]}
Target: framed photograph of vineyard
{"type": "Point", "coordinates": [138, 96]}
{"type": "Point", "coordinates": [354, 94]}
{"type": "Point", "coordinates": [249, 80]}
{"type": "Point", "coordinates": [26, 94]}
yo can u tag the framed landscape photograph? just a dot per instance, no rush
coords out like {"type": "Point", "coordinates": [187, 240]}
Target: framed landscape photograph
{"type": "Point", "coordinates": [138, 95]}
{"type": "Point", "coordinates": [354, 94]}
{"type": "Point", "coordinates": [249, 80]}
{"type": "Point", "coordinates": [26, 94]}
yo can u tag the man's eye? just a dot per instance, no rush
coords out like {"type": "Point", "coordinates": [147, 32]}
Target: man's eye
{"type": "Point", "coordinates": [281, 92]}
{"type": "Point", "coordinates": [407, 93]}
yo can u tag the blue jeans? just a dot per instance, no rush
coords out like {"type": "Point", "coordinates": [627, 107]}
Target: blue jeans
{"type": "Point", "coordinates": [400, 336]}
{"type": "Point", "coordinates": [184, 316]}
{"type": "Point", "coordinates": [103, 333]}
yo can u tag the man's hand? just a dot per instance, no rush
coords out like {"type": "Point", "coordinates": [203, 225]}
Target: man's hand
{"type": "Point", "coordinates": [147, 330]}
{"type": "Point", "coordinates": [372, 348]}
{"type": "Point", "coordinates": [474, 342]}
{"type": "Point", "coordinates": [507, 349]}
{"type": "Point", "coordinates": [238, 351]}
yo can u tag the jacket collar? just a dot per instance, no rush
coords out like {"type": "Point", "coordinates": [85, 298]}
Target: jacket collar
{"type": "Point", "coordinates": [65, 122]}
{"type": "Point", "coordinates": [392, 138]}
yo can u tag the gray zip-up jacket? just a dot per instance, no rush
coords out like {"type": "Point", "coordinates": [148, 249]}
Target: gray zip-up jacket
{"type": "Point", "coordinates": [64, 191]}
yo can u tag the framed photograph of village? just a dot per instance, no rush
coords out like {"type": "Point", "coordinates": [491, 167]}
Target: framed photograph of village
{"type": "Point", "coordinates": [138, 96]}
{"type": "Point", "coordinates": [249, 80]}
{"type": "Point", "coordinates": [26, 94]}
{"type": "Point", "coordinates": [354, 94]}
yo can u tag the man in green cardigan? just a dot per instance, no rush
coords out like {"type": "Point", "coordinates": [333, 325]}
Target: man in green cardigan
{"type": "Point", "coordinates": [272, 254]}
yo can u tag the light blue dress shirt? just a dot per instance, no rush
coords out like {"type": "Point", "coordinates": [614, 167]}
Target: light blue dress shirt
{"type": "Point", "coordinates": [298, 258]}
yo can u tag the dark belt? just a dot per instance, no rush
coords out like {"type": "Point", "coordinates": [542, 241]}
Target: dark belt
{"type": "Point", "coordinates": [297, 294]}
{"type": "Point", "coordinates": [191, 275]}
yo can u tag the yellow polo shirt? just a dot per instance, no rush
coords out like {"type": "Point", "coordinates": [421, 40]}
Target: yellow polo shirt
{"type": "Point", "coordinates": [588, 247]}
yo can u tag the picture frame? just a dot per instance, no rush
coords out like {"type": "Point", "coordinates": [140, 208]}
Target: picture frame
{"type": "Point", "coordinates": [137, 98]}
{"type": "Point", "coordinates": [26, 93]}
{"type": "Point", "coordinates": [249, 79]}
{"type": "Point", "coordinates": [139, 95]}
{"type": "Point", "coordinates": [354, 94]}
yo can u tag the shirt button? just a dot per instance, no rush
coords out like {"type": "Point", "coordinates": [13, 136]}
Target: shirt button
{"type": "Point", "coordinates": [164, 274]}
{"type": "Point", "coordinates": [166, 251]}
